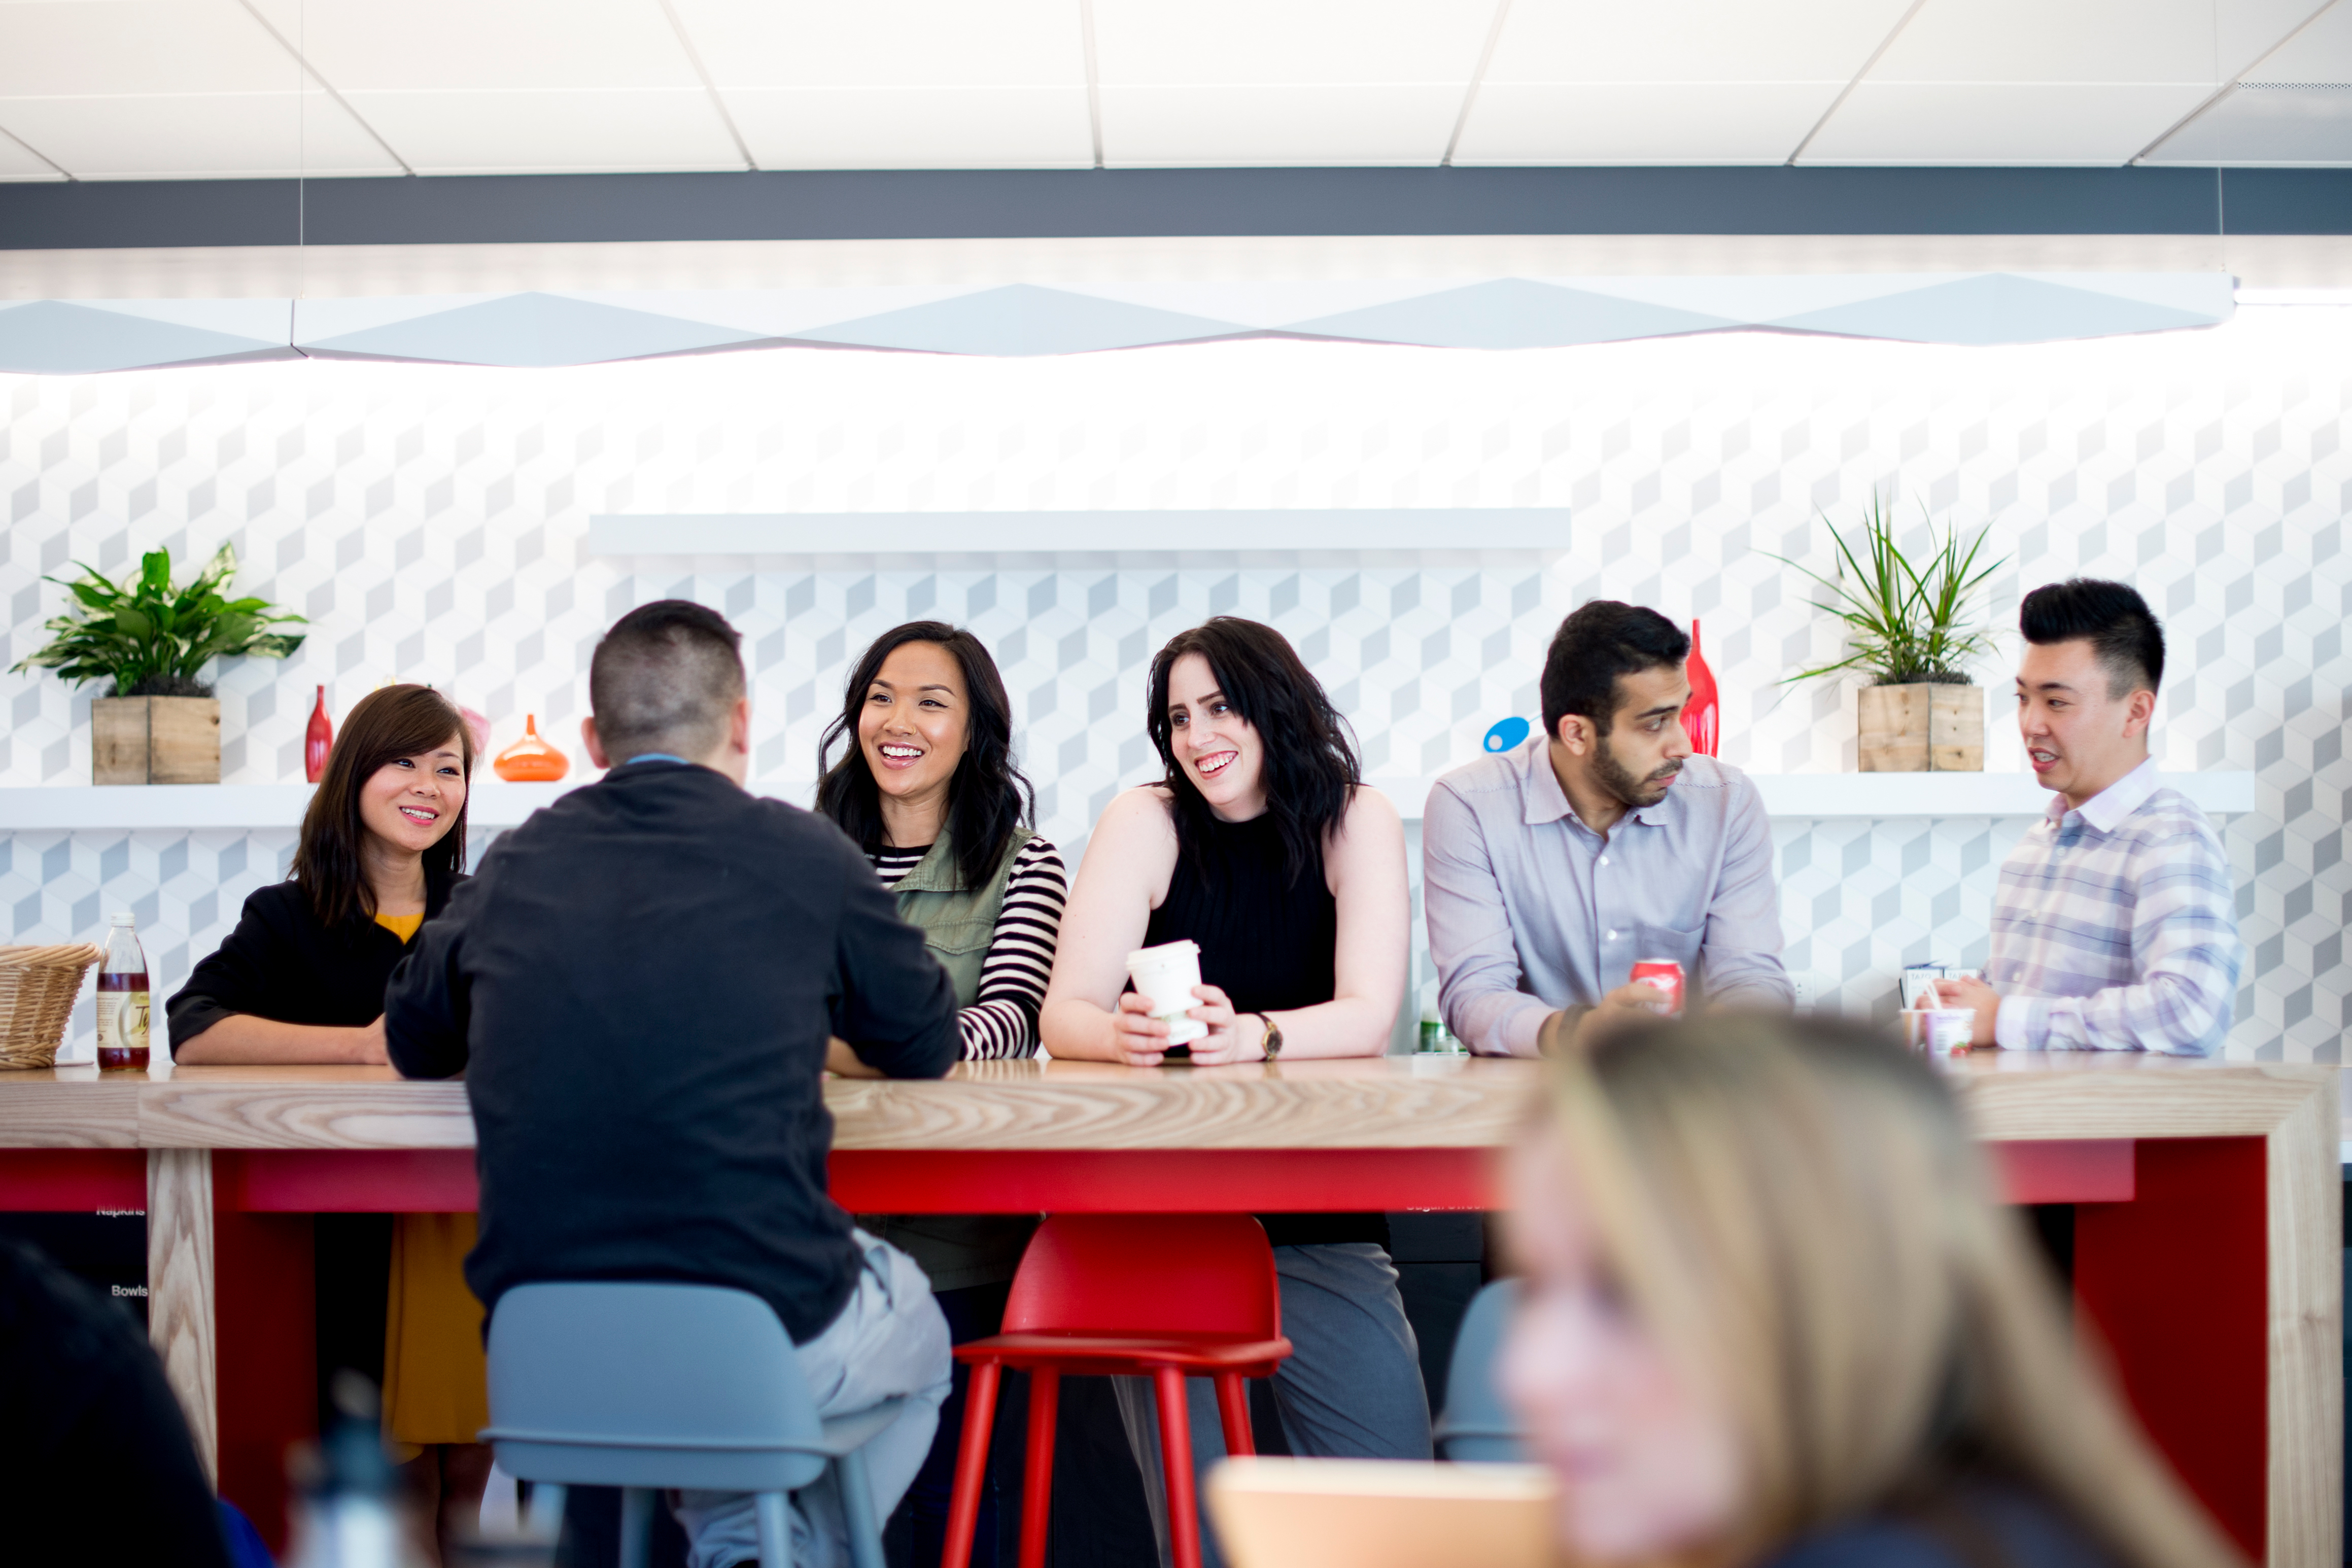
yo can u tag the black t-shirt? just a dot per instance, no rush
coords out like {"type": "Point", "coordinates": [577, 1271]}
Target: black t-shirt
{"type": "Point", "coordinates": [92, 1443]}
{"type": "Point", "coordinates": [281, 963]}
{"type": "Point", "coordinates": [1270, 941]}
{"type": "Point", "coordinates": [638, 983]}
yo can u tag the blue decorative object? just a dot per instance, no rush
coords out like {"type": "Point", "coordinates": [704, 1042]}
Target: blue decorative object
{"type": "Point", "coordinates": [1507, 734]}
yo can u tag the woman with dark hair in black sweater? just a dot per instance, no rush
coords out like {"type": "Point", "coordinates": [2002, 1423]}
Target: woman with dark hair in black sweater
{"type": "Point", "coordinates": [302, 979]}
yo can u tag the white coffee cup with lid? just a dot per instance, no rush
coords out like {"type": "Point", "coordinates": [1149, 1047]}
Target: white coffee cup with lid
{"type": "Point", "coordinates": [1166, 975]}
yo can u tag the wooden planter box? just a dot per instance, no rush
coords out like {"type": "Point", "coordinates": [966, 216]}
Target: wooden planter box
{"type": "Point", "coordinates": [1927, 727]}
{"type": "Point", "coordinates": [154, 740]}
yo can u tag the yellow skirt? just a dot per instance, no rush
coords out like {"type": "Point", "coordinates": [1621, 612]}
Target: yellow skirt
{"type": "Point", "coordinates": [434, 1386]}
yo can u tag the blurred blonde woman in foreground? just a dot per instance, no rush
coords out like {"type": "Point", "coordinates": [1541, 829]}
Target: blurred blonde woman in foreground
{"type": "Point", "coordinates": [1773, 1313]}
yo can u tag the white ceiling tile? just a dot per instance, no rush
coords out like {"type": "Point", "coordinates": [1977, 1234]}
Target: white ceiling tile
{"type": "Point", "coordinates": [2321, 52]}
{"type": "Point", "coordinates": [1643, 123]}
{"type": "Point", "coordinates": [1911, 123]}
{"type": "Point", "coordinates": [1210, 42]}
{"type": "Point", "coordinates": [490, 44]}
{"type": "Point", "coordinates": [18, 162]}
{"type": "Point", "coordinates": [2248, 29]}
{"type": "Point", "coordinates": [2057, 41]}
{"type": "Point", "coordinates": [2290, 127]}
{"type": "Point", "coordinates": [1293, 123]}
{"type": "Point", "coordinates": [1690, 40]}
{"type": "Point", "coordinates": [138, 46]}
{"type": "Point", "coordinates": [212, 136]}
{"type": "Point", "coordinates": [888, 43]}
{"type": "Point", "coordinates": [550, 132]}
{"type": "Point", "coordinates": [915, 128]}
{"type": "Point", "coordinates": [2283, 117]}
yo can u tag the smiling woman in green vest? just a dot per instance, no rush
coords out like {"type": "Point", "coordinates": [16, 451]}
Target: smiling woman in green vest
{"type": "Point", "coordinates": [928, 788]}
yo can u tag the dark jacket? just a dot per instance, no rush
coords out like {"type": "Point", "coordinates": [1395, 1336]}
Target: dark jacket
{"type": "Point", "coordinates": [282, 964]}
{"type": "Point", "coordinates": [91, 1439]}
{"type": "Point", "coordinates": [1975, 1521]}
{"type": "Point", "coordinates": [638, 983]}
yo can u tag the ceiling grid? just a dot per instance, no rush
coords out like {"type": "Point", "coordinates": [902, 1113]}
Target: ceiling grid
{"type": "Point", "coordinates": [718, 98]}
{"type": "Point", "coordinates": [294, 52]}
{"type": "Point", "coordinates": [1847, 91]}
{"type": "Point", "coordinates": [1477, 79]}
{"type": "Point", "coordinates": [149, 89]}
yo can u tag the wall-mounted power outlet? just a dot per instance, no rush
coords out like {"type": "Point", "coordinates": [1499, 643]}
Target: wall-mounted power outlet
{"type": "Point", "coordinates": [1811, 986]}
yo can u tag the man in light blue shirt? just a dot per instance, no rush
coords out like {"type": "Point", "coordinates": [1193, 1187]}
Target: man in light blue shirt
{"type": "Point", "coordinates": [2115, 927]}
{"type": "Point", "coordinates": [1550, 870]}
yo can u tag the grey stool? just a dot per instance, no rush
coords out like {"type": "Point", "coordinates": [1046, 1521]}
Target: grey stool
{"type": "Point", "coordinates": [650, 1386]}
{"type": "Point", "coordinates": [1478, 1427]}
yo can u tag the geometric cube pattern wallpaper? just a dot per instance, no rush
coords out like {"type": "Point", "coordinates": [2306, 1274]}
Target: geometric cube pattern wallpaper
{"type": "Point", "coordinates": [431, 521]}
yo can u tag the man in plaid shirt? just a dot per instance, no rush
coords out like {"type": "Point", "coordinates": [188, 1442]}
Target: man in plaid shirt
{"type": "Point", "coordinates": [2115, 928]}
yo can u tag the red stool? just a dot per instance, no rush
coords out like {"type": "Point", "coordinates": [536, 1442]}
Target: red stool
{"type": "Point", "coordinates": [1101, 1295]}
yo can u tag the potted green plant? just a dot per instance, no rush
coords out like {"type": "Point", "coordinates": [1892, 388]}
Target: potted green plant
{"type": "Point", "coordinates": [1913, 630]}
{"type": "Point", "coordinates": [162, 722]}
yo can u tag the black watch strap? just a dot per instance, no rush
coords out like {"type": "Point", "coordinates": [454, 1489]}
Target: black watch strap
{"type": "Point", "coordinates": [1273, 1047]}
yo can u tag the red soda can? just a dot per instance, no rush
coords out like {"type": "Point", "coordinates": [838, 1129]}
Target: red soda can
{"type": "Point", "coordinates": [1666, 974]}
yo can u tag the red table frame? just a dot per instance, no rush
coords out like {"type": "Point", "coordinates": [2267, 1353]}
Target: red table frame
{"type": "Point", "coordinates": [2169, 1232]}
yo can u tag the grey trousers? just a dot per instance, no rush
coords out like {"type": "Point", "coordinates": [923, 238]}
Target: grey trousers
{"type": "Point", "coordinates": [1352, 1388]}
{"type": "Point", "coordinates": [889, 1340]}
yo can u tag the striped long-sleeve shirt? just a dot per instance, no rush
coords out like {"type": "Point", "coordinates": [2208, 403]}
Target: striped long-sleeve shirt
{"type": "Point", "coordinates": [2115, 927]}
{"type": "Point", "coordinates": [1002, 1022]}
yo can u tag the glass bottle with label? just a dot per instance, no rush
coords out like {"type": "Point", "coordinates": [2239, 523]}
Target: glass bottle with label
{"type": "Point", "coordinates": [122, 1000]}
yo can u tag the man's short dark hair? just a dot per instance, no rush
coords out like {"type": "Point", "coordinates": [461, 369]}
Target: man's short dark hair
{"type": "Point", "coordinates": [2110, 616]}
{"type": "Point", "coordinates": [1593, 648]}
{"type": "Point", "coordinates": [664, 679]}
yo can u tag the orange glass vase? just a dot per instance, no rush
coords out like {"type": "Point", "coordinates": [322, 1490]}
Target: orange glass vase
{"type": "Point", "coordinates": [531, 760]}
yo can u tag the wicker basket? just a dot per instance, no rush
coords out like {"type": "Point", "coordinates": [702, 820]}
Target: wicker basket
{"type": "Point", "coordinates": [38, 988]}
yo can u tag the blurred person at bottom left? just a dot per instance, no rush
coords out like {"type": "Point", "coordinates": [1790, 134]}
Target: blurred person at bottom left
{"type": "Point", "coordinates": [301, 980]}
{"type": "Point", "coordinates": [95, 1457]}
{"type": "Point", "coordinates": [1773, 1315]}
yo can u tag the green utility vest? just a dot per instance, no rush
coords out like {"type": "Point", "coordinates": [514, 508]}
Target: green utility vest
{"type": "Point", "coordinates": [957, 923]}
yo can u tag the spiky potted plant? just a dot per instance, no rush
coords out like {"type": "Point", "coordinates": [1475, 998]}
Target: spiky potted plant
{"type": "Point", "coordinates": [161, 725]}
{"type": "Point", "coordinates": [1913, 630]}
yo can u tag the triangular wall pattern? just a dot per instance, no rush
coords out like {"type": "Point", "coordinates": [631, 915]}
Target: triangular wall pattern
{"type": "Point", "coordinates": [1022, 319]}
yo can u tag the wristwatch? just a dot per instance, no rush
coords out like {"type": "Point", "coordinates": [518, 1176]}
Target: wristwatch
{"type": "Point", "coordinates": [1273, 1036]}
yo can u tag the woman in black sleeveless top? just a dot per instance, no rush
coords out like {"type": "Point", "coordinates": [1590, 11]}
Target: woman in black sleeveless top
{"type": "Point", "coordinates": [1262, 846]}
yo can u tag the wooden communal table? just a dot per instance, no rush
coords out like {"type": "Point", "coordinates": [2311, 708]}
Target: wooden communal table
{"type": "Point", "coordinates": [2206, 1238]}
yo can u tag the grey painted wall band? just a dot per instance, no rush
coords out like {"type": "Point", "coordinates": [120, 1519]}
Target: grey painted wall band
{"type": "Point", "coordinates": [1066, 204]}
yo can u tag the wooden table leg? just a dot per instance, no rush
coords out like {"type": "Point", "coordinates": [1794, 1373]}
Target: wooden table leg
{"type": "Point", "coordinates": [180, 1288]}
{"type": "Point", "coordinates": [2218, 1290]}
{"type": "Point", "coordinates": [2305, 1228]}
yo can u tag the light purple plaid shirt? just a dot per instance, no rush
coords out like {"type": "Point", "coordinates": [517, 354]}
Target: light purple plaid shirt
{"type": "Point", "coordinates": [2115, 928]}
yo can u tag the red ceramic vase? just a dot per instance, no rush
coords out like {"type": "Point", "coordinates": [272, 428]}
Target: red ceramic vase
{"type": "Point", "coordinates": [317, 740]}
{"type": "Point", "coordinates": [1702, 717]}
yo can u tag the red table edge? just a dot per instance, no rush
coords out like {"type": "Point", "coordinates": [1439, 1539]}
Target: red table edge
{"type": "Point", "coordinates": [950, 1181]}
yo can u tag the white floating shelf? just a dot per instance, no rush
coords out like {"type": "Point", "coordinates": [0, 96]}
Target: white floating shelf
{"type": "Point", "coordinates": [497, 804]}
{"type": "Point", "coordinates": [1314, 529]}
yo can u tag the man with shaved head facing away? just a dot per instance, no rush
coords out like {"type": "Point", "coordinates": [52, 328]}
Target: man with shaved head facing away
{"type": "Point", "coordinates": [2115, 927]}
{"type": "Point", "coordinates": [640, 984]}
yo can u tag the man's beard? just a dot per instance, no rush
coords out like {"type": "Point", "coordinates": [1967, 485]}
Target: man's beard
{"type": "Point", "coordinates": [1618, 780]}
